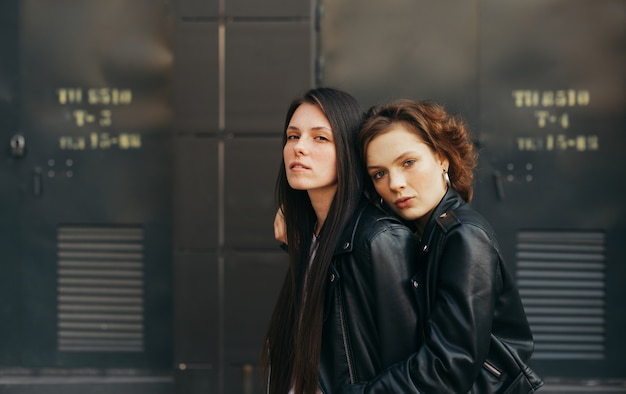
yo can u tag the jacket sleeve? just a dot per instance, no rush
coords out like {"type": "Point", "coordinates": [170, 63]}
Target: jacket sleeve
{"type": "Point", "coordinates": [458, 329]}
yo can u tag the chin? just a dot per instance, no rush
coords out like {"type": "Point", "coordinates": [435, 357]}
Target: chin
{"type": "Point", "coordinates": [401, 214]}
{"type": "Point", "coordinates": [407, 215]}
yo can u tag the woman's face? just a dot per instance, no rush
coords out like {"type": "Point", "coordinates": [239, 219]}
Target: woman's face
{"type": "Point", "coordinates": [406, 173]}
{"type": "Point", "coordinates": [309, 154]}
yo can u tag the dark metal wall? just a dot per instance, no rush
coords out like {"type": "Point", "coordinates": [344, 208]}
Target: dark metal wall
{"type": "Point", "coordinates": [553, 137]}
{"type": "Point", "coordinates": [86, 206]}
{"type": "Point", "coordinates": [136, 224]}
{"type": "Point", "coordinates": [238, 65]}
{"type": "Point", "coordinates": [542, 85]}
{"type": "Point", "coordinates": [10, 197]}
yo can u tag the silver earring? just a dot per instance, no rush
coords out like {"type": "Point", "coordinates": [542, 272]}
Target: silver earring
{"type": "Point", "coordinates": [446, 177]}
{"type": "Point", "coordinates": [381, 202]}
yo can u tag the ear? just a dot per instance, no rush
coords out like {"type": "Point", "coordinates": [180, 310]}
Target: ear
{"type": "Point", "coordinates": [443, 162]}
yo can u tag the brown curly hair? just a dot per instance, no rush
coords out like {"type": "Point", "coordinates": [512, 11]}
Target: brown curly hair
{"type": "Point", "coordinates": [445, 133]}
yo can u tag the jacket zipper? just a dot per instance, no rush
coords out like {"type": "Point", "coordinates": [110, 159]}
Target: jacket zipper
{"type": "Point", "coordinates": [345, 338]}
{"type": "Point", "coordinates": [494, 371]}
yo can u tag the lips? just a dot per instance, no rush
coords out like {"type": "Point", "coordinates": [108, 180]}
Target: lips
{"type": "Point", "coordinates": [296, 166]}
{"type": "Point", "coordinates": [403, 202]}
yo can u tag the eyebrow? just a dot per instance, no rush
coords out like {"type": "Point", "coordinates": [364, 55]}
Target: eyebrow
{"type": "Point", "coordinates": [316, 128]}
{"type": "Point", "coordinates": [398, 158]}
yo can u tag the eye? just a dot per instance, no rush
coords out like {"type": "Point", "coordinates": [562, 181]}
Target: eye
{"type": "Point", "coordinates": [322, 138]}
{"type": "Point", "coordinates": [292, 137]}
{"type": "Point", "coordinates": [377, 175]}
{"type": "Point", "coordinates": [408, 163]}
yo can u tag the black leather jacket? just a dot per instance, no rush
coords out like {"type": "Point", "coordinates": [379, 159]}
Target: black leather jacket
{"type": "Point", "coordinates": [465, 297]}
{"type": "Point", "coordinates": [370, 318]}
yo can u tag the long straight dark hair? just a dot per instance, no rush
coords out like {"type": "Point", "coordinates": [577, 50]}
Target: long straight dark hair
{"type": "Point", "coordinates": [291, 353]}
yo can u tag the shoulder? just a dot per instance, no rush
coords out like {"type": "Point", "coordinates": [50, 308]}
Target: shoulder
{"type": "Point", "coordinates": [465, 230]}
{"type": "Point", "coordinates": [375, 219]}
{"type": "Point", "coordinates": [463, 218]}
{"type": "Point", "coordinates": [466, 234]}
{"type": "Point", "coordinates": [383, 241]}
{"type": "Point", "coordinates": [376, 225]}
{"type": "Point", "coordinates": [371, 224]}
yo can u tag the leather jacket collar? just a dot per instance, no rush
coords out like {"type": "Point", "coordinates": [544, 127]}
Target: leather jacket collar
{"type": "Point", "coordinates": [450, 201]}
{"type": "Point", "coordinates": [347, 237]}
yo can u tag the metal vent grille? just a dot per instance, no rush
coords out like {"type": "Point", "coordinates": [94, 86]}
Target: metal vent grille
{"type": "Point", "coordinates": [100, 289]}
{"type": "Point", "coordinates": [561, 278]}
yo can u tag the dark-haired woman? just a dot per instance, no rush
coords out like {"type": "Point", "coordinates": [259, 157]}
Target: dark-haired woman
{"type": "Point", "coordinates": [346, 310]}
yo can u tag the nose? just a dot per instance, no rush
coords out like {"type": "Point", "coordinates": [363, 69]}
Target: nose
{"type": "Point", "coordinates": [396, 182]}
{"type": "Point", "coordinates": [300, 146]}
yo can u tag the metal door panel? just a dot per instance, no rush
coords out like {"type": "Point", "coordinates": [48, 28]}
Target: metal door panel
{"type": "Point", "coordinates": [197, 298]}
{"type": "Point", "coordinates": [10, 204]}
{"type": "Point", "coordinates": [96, 116]}
{"type": "Point", "coordinates": [381, 51]}
{"type": "Point", "coordinates": [268, 9]}
{"type": "Point", "coordinates": [261, 82]}
{"type": "Point", "coordinates": [254, 280]}
{"type": "Point", "coordinates": [197, 9]}
{"type": "Point", "coordinates": [196, 77]}
{"type": "Point", "coordinates": [555, 180]}
{"type": "Point", "coordinates": [251, 167]}
{"type": "Point", "coordinates": [552, 117]}
{"type": "Point", "coordinates": [196, 185]}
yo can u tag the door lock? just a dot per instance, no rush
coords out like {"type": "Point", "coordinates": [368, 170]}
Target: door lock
{"type": "Point", "coordinates": [18, 145]}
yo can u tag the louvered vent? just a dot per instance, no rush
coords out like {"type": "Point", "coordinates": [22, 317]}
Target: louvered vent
{"type": "Point", "coordinates": [100, 289]}
{"type": "Point", "coordinates": [561, 278]}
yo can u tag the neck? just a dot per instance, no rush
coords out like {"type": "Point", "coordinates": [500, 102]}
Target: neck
{"type": "Point", "coordinates": [321, 205]}
{"type": "Point", "coordinates": [419, 228]}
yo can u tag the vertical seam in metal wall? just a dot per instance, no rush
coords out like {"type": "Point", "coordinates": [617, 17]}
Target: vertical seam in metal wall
{"type": "Point", "coordinates": [221, 192]}
{"type": "Point", "coordinates": [479, 134]}
{"type": "Point", "coordinates": [315, 18]}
